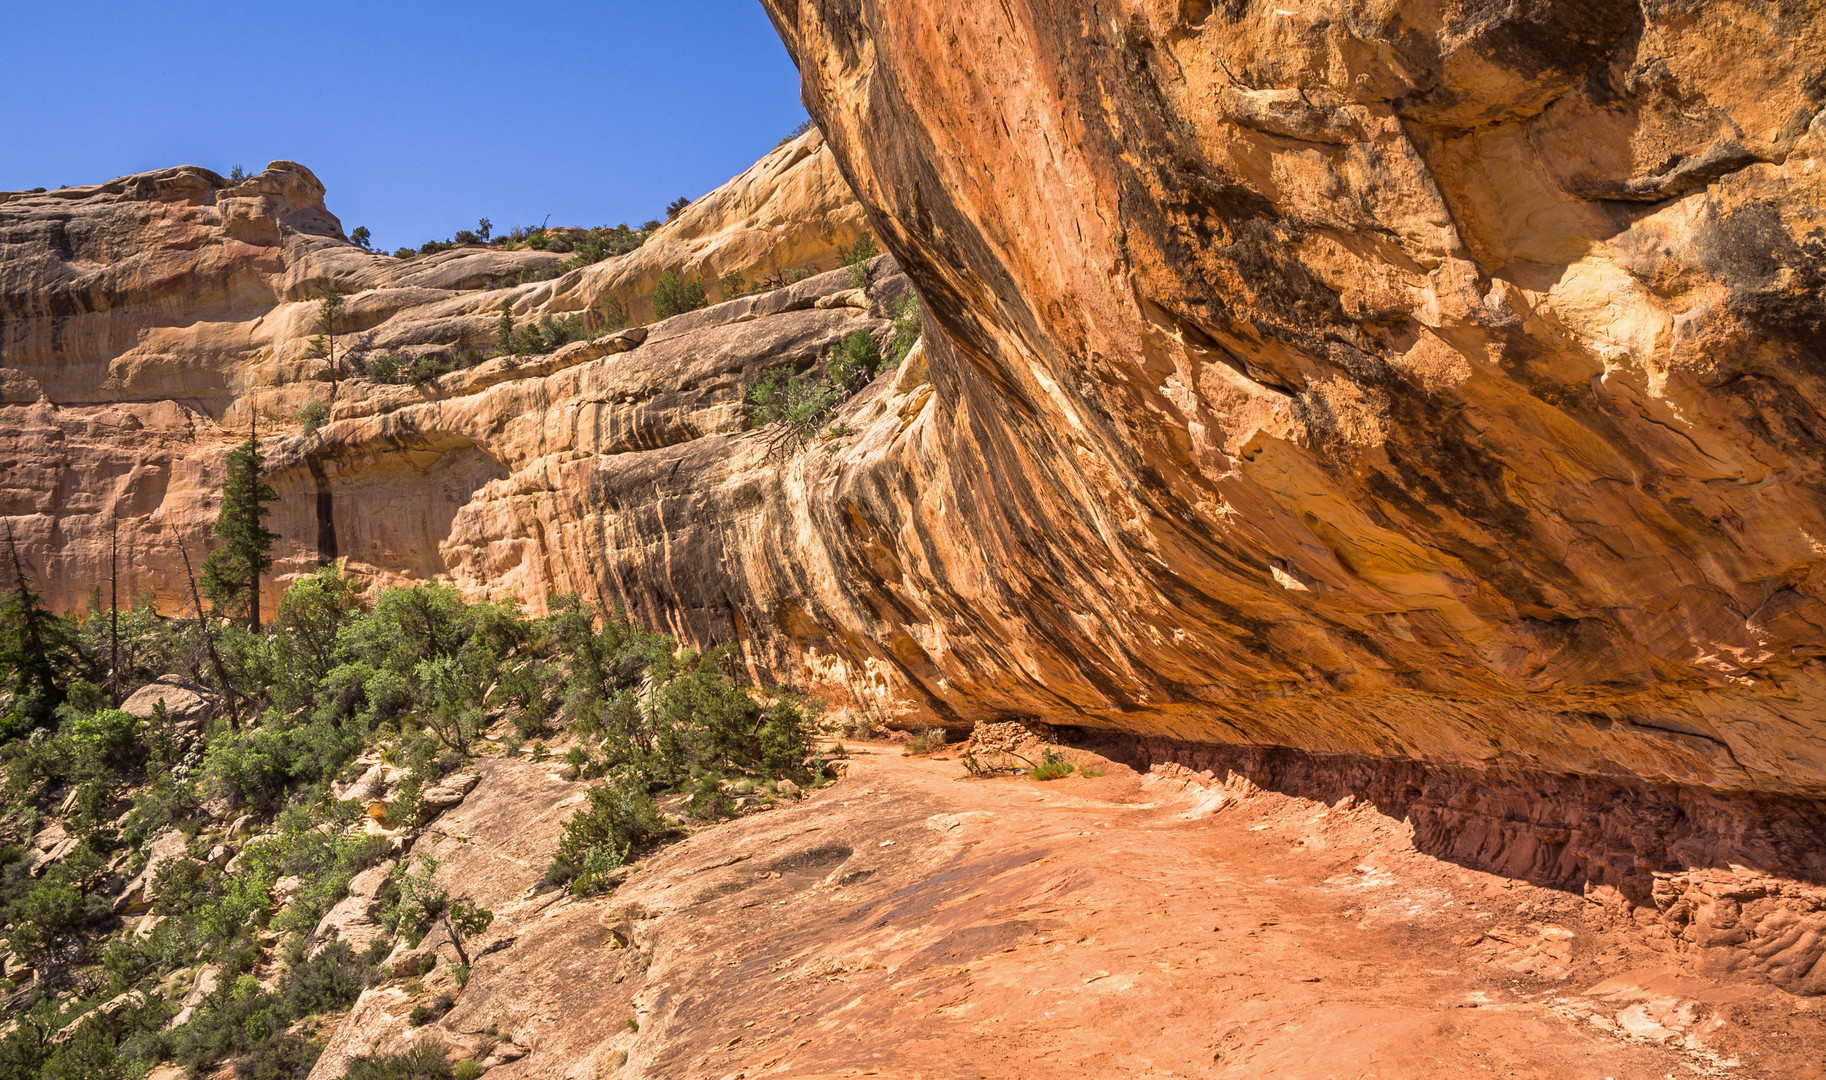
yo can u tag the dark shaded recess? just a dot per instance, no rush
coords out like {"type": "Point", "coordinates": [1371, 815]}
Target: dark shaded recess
{"type": "Point", "coordinates": [1558, 831]}
{"type": "Point", "coordinates": [326, 512]}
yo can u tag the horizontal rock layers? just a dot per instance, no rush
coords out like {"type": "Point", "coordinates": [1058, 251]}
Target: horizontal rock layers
{"type": "Point", "coordinates": [145, 322]}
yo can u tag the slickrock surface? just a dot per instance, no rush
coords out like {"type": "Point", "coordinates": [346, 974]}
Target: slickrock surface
{"type": "Point", "coordinates": [909, 923]}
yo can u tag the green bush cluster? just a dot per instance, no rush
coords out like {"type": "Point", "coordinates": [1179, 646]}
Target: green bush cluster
{"type": "Point", "coordinates": [673, 295]}
{"type": "Point", "coordinates": [800, 401]}
{"type": "Point", "coordinates": [418, 673]}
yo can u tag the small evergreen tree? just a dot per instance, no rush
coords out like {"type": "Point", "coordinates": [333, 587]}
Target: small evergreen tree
{"type": "Point", "coordinates": [231, 573]}
{"type": "Point", "coordinates": [31, 641]}
{"type": "Point", "coordinates": [361, 237]}
{"type": "Point", "coordinates": [323, 345]}
{"type": "Point", "coordinates": [485, 229]}
{"type": "Point", "coordinates": [676, 207]}
{"type": "Point", "coordinates": [505, 342]}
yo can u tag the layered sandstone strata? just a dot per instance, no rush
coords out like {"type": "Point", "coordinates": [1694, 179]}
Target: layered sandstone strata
{"type": "Point", "coordinates": [145, 322]}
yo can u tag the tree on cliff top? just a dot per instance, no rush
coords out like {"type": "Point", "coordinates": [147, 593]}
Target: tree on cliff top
{"type": "Point", "coordinates": [231, 573]}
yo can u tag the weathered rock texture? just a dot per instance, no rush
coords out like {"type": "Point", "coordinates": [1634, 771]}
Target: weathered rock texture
{"type": "Point", "coordinates": [144, 322]}
{"type": "Point", "coordinates": [1395, 379]}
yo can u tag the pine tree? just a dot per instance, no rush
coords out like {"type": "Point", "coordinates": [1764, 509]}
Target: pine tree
{"type": "Point", "coordinates": [231, 573]}
{"type": "Point", "coordinates": [323, 344]}
{"type": "Point", "coordinates": [31, 641]}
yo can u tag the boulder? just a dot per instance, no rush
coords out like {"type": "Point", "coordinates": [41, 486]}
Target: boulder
{"type": "Point", "coordinates": [190, 704]}
{"type": "Point", "coordinates": [221, 855]}
{"type": "Point", "coordinates": [240, 826]}
{"type": "Point", "coordinates": [207, 979]}
{"type": "Point", "coordinates": [440, 798]}
{"type": "Point", "coordinates": [106, 1012]}
{"type": "Point", "coordinates": [51, 845]}
{"type": "Point", "coordinates": [352, 919]}
{"type": "Point", "coordinates": [138, 897]}
{"type": "Point", "coordinates": [363, 785]}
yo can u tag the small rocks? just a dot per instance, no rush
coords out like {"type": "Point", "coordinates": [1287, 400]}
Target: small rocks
{"type": "Point", "coordinates": [788, 789]}
{"type": "Point", "coordinates": [51, 845]}
{"type": "Point", "coordinates": [221, 854]}
{"type": "Point", "coordinates": [286, 888]}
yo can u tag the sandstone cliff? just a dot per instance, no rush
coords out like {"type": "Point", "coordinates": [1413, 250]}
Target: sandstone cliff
{"type": "Point", "coordinates": [1405, 382]}
{"type": "Point", "coordinates": [144, 322]}
{"type": "Point", "coordinates": [1390, 379]}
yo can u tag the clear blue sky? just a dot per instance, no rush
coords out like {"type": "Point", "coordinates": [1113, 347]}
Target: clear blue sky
{"type": "Point", "coordinates": [419, 117]}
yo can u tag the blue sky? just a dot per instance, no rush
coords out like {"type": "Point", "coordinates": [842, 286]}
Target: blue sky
{"type": "Point", "coordinates": [419, 117]}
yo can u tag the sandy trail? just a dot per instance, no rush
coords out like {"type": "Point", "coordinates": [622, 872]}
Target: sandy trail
{"type": "Point", "coordinates": [910, 923]}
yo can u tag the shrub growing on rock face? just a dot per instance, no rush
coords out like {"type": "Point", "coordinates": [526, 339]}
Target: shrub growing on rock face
{"type": "Point", "coordinates": [800, 401]}
{"type": "Point", "coordinates": [312, 417]}
{"type": "Point", "coordinates": [857, 259]}
{"type": "Point", "coordinates": [620, 817]}
{"type": "Point", "coordinates": [425, 1061]}
{"type": "Point", "coordinates": [675, 296]}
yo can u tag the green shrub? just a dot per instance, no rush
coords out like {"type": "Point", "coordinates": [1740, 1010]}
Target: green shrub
{"type": "Point", "coordinates": [1051, 766]}
{"type": "Point", "coordinates": [425, 1061]}
{"type": "Point", "coordinates": [803, 127]}
{"type": "Point", "coordinates": [386, 368]}
{"type": "Point", "coordinates": [620, 817]}
{"type": "Point", "coordinates": [908, 325]}
{"type": "Point", "coordinates": [857, 259]}
{"type": "Point", "coordinates": [925, 742]}
{"type": "Point", "coordinates": [675, 296]}
{"type": "Point", "coordinates": [801, 400]}
{"type": "Point", "coordinates": [605, 243]}
{"type": "Point", "coordinates": [312, 417]}
{"type": "Point", "coordinates": [613, 316]}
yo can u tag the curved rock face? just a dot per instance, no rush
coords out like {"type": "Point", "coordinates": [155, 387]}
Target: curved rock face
{"type": "Point", "coordinates": [1396, 379]}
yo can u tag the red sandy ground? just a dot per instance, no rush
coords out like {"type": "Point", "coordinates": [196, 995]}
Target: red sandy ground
{"type": "Point", "coordinates": [910, 923]}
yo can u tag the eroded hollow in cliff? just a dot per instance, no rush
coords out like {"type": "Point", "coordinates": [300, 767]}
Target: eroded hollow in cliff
{"type": "Point", "coordinates": [390, 509]}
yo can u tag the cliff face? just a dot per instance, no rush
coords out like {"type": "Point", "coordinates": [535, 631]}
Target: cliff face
{"type": "Point", "coordinates": [1396, 379]}
{"type": "Point", "coordinates": [1418, 382]}
{"type": "Point", "coordinates": [145, 322]}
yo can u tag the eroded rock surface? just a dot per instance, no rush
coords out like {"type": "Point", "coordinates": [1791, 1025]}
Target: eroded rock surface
{"type": "Point", "coordinates": [907, 922]}
{"type": "Point", "coordinates": [1415, 381]}
{"type": "Point", "coordinates": [145, 322]}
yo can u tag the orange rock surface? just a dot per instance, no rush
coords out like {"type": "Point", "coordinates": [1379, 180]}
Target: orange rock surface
{"type": "Point", "coordinates": [908, 923]}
